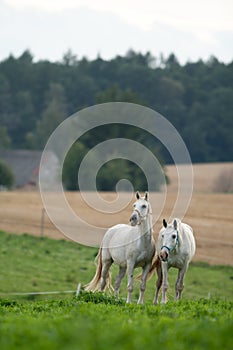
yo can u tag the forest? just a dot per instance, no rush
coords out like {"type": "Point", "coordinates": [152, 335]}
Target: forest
{"type": "Point", "coordinates": [196, 97]}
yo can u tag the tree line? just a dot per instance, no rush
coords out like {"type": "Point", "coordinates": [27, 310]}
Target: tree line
{"type": "Point", "coordinates": [196, 97]}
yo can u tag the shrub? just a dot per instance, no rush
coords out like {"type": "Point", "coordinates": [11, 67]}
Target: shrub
{"type": "Point", "coordinates": [224, 182]}
{"type": "Point", "coordinates": [6, 175]}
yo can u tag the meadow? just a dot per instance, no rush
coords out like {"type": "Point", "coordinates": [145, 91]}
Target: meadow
{"type": "Point", "coordinates": [209, 213]}
{"type": "Point", "coordinates": [202, 319]}
{"type": "Point", "coordinates": [30, 264]}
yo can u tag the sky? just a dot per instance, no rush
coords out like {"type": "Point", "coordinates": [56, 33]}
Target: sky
{"type": "Point", "coordinates": [191, 29]}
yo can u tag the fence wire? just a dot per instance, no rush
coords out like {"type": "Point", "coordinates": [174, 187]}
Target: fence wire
{"type": "Point", "coordinates": [77, 291]}
{"type": "Point", "coordinates": [42, 226]}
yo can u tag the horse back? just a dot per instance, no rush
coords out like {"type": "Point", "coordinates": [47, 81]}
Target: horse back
{"type": "Point", "coordinates": [122, 242]}
{"type": "Point", "coordinates": [115, 242]}
{"type": "Point", "coordinates": [188, 238]}
{"type": "Point", "coordinates": [120, 234]}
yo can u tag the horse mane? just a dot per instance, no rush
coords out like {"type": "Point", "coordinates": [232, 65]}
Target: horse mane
{"type": "Point", "coordinates": [180, 229]}
{"type": "Point", "coordinates": [150, 218]}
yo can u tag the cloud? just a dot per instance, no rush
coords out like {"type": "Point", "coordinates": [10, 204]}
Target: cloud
{"type": "Point", "coordinates": [183, 14]}
{"type": "Point", "coordinates": [89, 32]}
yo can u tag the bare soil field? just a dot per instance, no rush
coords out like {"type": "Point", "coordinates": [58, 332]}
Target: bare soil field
{"type": "Point", "coordinates": [210, 215]}
{"type": "Point", "coordinates": [207, 176]}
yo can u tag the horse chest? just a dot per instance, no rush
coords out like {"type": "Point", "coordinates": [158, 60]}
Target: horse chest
{"type": "Point", "coordinates": [176, 261]}
{"type": "Point", "coordinates": [142, 257]}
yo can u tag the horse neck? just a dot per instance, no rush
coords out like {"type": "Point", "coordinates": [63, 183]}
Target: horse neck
{"type": "Point", "coordinates": [146, 227]}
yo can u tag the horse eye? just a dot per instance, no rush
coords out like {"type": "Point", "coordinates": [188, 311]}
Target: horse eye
{"type": "Point", "coordinates": [173, 236]}
{"type": "Point", "coordinates": [162, 236]}
{"type": "Point", "coordinates": [144, 206]}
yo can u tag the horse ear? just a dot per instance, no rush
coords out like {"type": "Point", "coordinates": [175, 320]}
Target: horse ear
{"type": "Point", "coordinates": [175, 224]}
{"type": "Point", "coordinates": [146, 196]}
{"type": "Point", "coordinates": [137, 195]}
{"type": "Point", "coordinates": [164, 223]}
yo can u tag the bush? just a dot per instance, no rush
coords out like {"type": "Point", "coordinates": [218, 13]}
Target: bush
{"type": "Point", "coordinates": [224, 182]}
{"type": "Point", "coordinates": [6, 175]}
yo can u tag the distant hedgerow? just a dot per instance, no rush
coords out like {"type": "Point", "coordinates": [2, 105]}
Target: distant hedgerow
{"type": "Point", "coordinates": [6, 175]}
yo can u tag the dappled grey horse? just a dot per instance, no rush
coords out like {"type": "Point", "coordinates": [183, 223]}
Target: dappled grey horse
{"type": "Point", "coordinates": [129, 246]}
{"type": "Point", "coordinates": [175, 247]}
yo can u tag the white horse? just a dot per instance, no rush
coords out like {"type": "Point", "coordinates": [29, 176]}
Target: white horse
{"type": "Point", "coordinates": [176, 247]}
{"type": "Point", "coordinates": [129, 247]}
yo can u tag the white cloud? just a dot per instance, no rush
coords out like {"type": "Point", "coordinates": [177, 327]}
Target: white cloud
{"type": "Point", "coordinates": [195, 14]}
{"type": "Point", "coordinates": [190, 29]}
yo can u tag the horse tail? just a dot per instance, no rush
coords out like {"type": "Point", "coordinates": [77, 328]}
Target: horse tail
{"type": "Point", "coordinates": [109, 282]}
{"type": "Point", "coordinates": [94, 284]}
{"type": "Point", "coordinates": [156, 264]}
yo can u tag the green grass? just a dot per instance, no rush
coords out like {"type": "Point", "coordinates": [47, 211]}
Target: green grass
{"type": "Point", "coordinates": [31, 264]}
{"type": "Point", "coordinates": [99, 322]}
{"type": "Point", "coordinates": [201, 320]}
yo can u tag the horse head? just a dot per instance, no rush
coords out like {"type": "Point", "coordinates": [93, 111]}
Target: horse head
{"type": "Point", "coordinates": [141, 209]}
{"type": "Point", "coordinates": [169, 239]}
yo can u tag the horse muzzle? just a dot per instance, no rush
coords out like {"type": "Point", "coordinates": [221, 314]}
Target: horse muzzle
{"type": "Point", "coordinates": [163, 255]}
{"type": "Point", "coordinates": [133, 220]}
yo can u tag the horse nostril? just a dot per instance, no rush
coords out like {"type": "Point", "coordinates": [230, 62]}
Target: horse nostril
{"type": "Point", "coordinates": [164, 255]}
{"type": "Point", "coordinates": [133, 217]}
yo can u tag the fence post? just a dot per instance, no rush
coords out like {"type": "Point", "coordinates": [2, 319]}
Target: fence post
{"type": "Point", "coordinates": [42, 222]}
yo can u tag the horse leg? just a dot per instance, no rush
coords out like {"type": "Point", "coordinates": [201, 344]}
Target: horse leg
{"type": "Point", "coordinates": [158, 284]}
{"type": "Point", "coordinates": [104, 273]}
{"type": "Point", "coordinates": [165, 282]}
{"type": "Point", "coordinates": [143, 283]}
{"type": "Point", "coordinates": [130, 269]}
{"type": "Point", "coordinates": [121, 274]}
{"type": "Point", "coordinates": [180, 282]}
